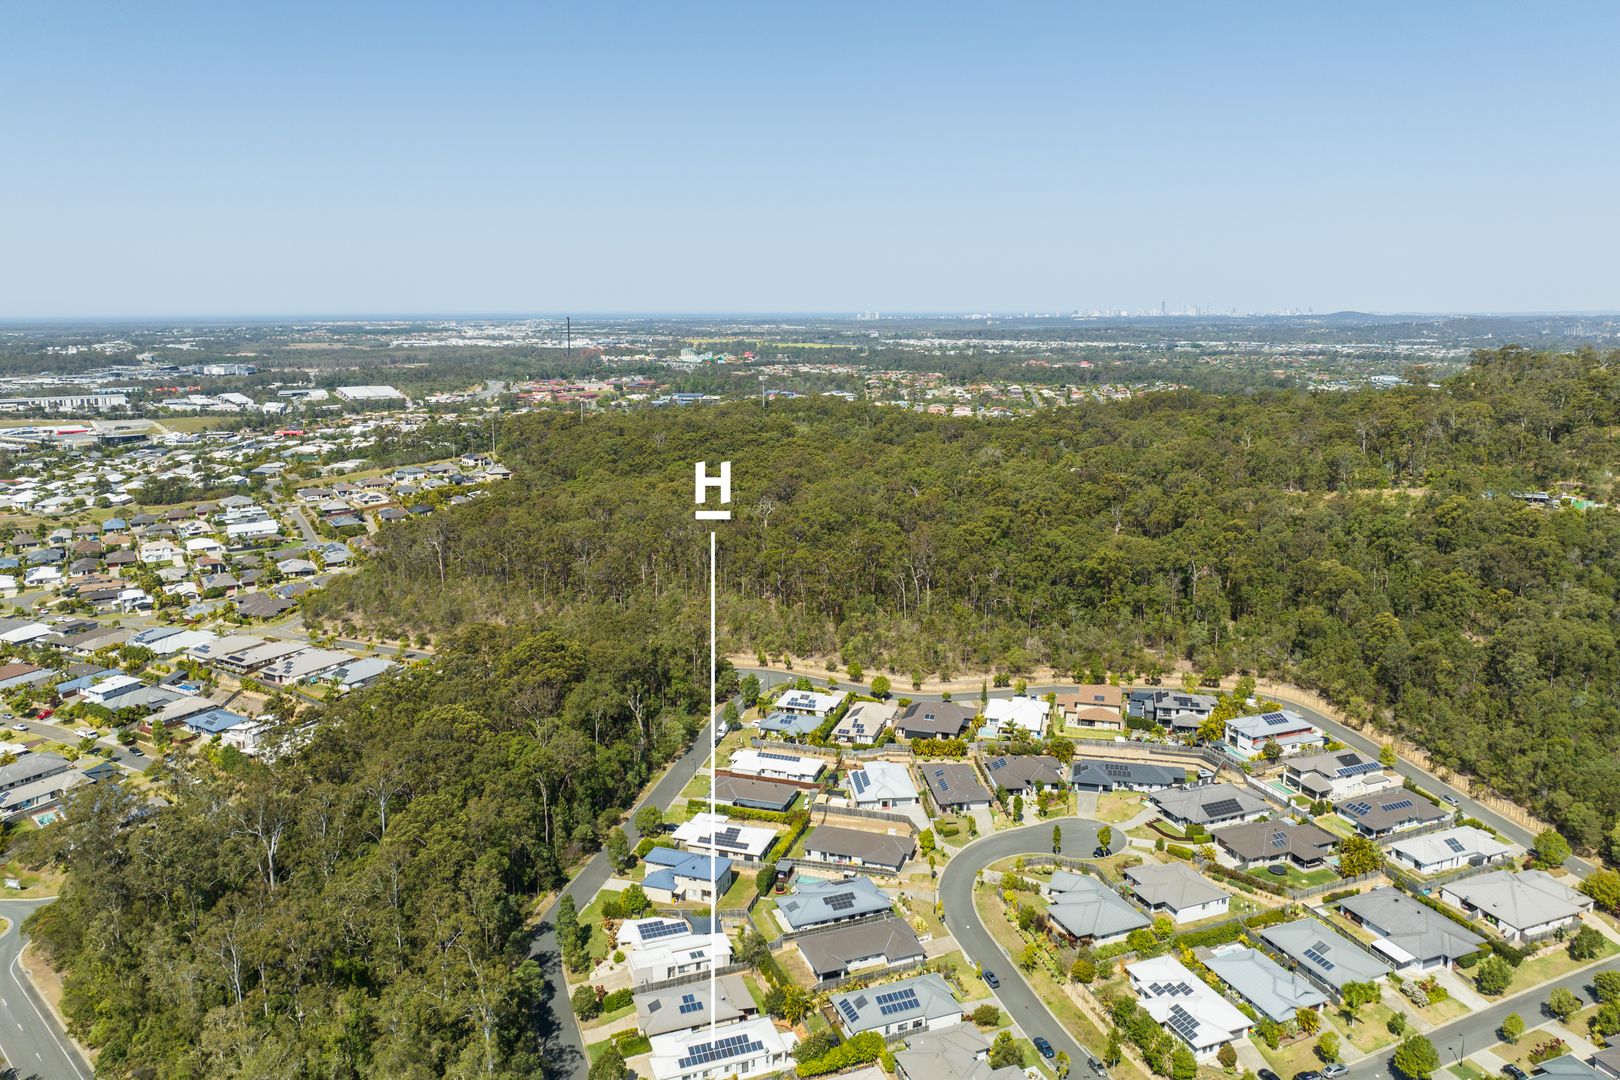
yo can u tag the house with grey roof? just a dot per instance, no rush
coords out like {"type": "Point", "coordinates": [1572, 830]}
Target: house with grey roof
{"type": "Point", "coordinates": [933, 720]}
{"type": "Point", "coordinates": [1323, 955]}
{"type": "Point", "coordinates": [1569, 1067]}
{"type": "Point", "coordinates": [1337, 775]}
{"type": "Point", "coordinates": [1411, 937]}
{"type": "Point", "coordinates": [859, 847]}
{"type": "Point", "coordinates": [1025, 774]}
{"type": "Point", "coordinates": [1165, 706]}
{"type": "Point", "coordinates": [1177, 890]}
{"type": "Point", "coordinates": [859, 946]}
{"type": "Point", "coordinates": [882, 785]}
{"type": "Point", "coordinates": [1524, 907]}
{"type": "Point", "coordinates": [960, 1052]}
{"type": "Point", "coordinates": [786, 725]}
{"type": "Point", "coordinates": [753, 793]}
{"type": "Point", "coordinates": [1209, 805]}
{"type": "Point", "coordinates": [1262, 843]}
{"type": "Point", "coordinates": [1273, 990]}
{"type": "Point", "coordinates": [923, 1002]}
{"type": "Point", "coordinates": [687, 1007]}
{"type": "Point", "coordinates": [1246, 737]}
{"type": "Point", "coordinates": [1390, 812]}
{"type": "Point", "coordinates": [1449, 849]}
{"type": "Point", "coordinates": [816, 902]}
{"type": "Point", "coordinates": [954, 785]}
{"type": "Point", "coordinates": [1098, 774]}
{"type": "Point", "coordinates": [863, 722]}
{"type": "Point", "coordinates": [1088, 911]}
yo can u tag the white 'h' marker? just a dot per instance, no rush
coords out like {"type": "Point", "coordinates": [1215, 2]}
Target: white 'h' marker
{"type": "Point", "coordinates": [700, 493]}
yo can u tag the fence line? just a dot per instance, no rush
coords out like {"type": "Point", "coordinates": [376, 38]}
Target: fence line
{"type": "Point", "coordinates": [689, 977]}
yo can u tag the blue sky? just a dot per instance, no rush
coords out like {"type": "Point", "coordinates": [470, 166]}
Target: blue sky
{"type": "Point", "coordinates": [169, 159]}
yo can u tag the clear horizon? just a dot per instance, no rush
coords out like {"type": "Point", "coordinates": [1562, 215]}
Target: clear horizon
{"type": "Point", "coordinates": [731, 160]}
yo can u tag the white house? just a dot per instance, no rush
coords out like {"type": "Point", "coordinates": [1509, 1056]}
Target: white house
{"type": "Point", "coordinates": [1246, 736]}
{"type": "Point", "coordinates": [1186, 1005]}
{"type": "Point", "coordinates": [882, 785]}
{"type": "Point", "coordinates": [678, 955]}
{"type": "Point", "coordinates": [1337, 775]}
{"type": "Point", "coordinates": [808, 703]}
{"type": "Point", "coordinates": [750, 1048]}
{"type": "Point", "coordinates": [1435, 853]}
{"type": "Point", "coordinates": [1175, 889]}
{"type": "Point", "coordinates": [715, 834]}
{"type": "Point", "coordinates": [1524, 907]}
{"type": "Point", "coordinates": [1002, 715]}
{"type": "Point", "coordinates": [778, 765]}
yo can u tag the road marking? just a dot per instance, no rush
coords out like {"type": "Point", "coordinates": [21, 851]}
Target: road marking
{"type": "Point", "coordinates": [72, 1057]}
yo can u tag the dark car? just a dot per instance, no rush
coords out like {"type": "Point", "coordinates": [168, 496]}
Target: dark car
{"type": "Point", "coordinates": [1043, 1046]}
{"type": "Point", "coordinates": [1514, 1071]}
{"type": "Point", "coordinates": [1267, 1074]}
{"type": "Point", "coordinates": [1100, 852]}
{"type": "Point", "coordinates": [990, 980]}
{"type": "Point", "coordinates": [1311, 1075]}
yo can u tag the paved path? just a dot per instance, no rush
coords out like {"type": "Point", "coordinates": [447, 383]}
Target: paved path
{"type": "Point", "coordinates": [30, 1038]}
{"type": "Point", "coordinates": [1021, 1002]}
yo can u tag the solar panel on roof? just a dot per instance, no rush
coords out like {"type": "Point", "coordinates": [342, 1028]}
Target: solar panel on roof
{"type": "Point", "coordinates": [719, 1050]}
{"type": "Point", "coordinates": [860, 781]}
{"type": "Point", "coordinates": [1114, 768]}
{"type": "Point", "coordinates": [690, 1003]}
{"type": "Point", "coordinates": [1315, 956]}
{"type": "Point", "coordinates": [1400, 804]}
{"type": "Point", "coordinates": [1279, 839]}
{"type": "Point", "coordinates": [1183, 1023]}
{"type": "Point", "coordinates": [1455, 845]}
{"type": "Point", "coordinates": [773, 756]}
{"type": "Point", "coordinates": [939, 778]}
{"type": "Point", "coordinates": [1359, 807]}
{"type": "Point", "coordinates": [841, 901]}
{"type": "Point", "coordinates": [1222, 807]}
{"type": "Point", "coordinates": [897, 1001]}
{"type": "Point", "coordinates": [663, 929]}
{"type": "Point", "coordinates": [1360, 768]}
{"type": "Point", "coordinates": [1349, 759]}
{"type": "Point", "coordinates": [849, 1011]}
{"type": "Point", "coordinates": [1274, 719]}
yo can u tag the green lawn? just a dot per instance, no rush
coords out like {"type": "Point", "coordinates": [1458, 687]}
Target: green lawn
{"type": "Point", "coordinates": [764, 916]}
{"type": "Point", "coordinates": [609, 1017]}
{"type": "Point", "coordinates": [1114, 807]}
{"type": "Point", "coordinates": [963, 975]}
{"type": "Point", "coordinates": [1370, 1031]}
{"type": "Point", "coordinates": [1552, 964]}
{"type": "Point", "coordinates": [1301, 879]}
{"type": "Point", "coordinates": [1335, 824]}
{"type": "Point", "coordinates": [1290, 1059]}
{"type": "Point", "coordinates": [1467, 1070]}
{"type": "Point", "coordinates": [591, 915]}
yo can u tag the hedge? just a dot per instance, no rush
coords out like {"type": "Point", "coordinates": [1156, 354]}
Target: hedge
{"type": "Point", "coordinates": [631, 1043]}
{"type": "Point", "coordinates": [863, 1049]}
{"type": "Point", "coordinates": [618, 1000]}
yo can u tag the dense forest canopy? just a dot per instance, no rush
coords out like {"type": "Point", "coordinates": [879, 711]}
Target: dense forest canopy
{"type": "Point", "coordinates": [357, 909]}
{"type": "Point", "coordinates": [1349, 542]}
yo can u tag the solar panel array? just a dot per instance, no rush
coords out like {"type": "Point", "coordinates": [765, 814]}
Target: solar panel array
{"type": "Point", "coordinates": [1316, 954]}
{"type": "Point", "coordinates": [1114, 768]}
{"type": "Point", "coordinates": [897, 1001]}
{"type": "Point", "coordinates": [1183, 1023]}
{"type": "Point", "coordinates": [1274, 719]}
{"type": "Point", "coordinates": [860, 781]}
{"type": "Point", "coordinates": [654, 931]}
{"type": "Point", "coordinates": [999, 763]}
{"type": "Point", "coordinates": [1175, 989]}
{"type": "Point", "coordinates": [690, 1003]}
{"type": "Point", "coordinates": [841, 901]}
{"type": "Point", "coordinates": [1359, 807]}
{"type": "Point", "coordinates": [849, 1011]}
{"type": "Point", "coordinates": [1359, 768]}
{"type": "Point", "coordinates": [1349, 759]}
{"type": "Point", "coordinates": [1222, 807]}
{"type": "Point", "coordinates": [1455, 845]}
{"type": "Point", "coordinates": [721, 1049]}
{"type": "Point", "coordinates": [939, 778]}
{"type": "Point", "coordinates": [1399, 804]}
{"type": "Point", "coordinates": [773, 756]}
{"type": "Point", "coordinates": [1279, 839]}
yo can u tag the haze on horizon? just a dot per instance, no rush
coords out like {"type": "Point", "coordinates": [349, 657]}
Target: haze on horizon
{"type": "Point", "coordinates": [195, 160]}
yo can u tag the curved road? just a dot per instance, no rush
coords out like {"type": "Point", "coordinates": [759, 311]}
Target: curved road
{"type": "Point", "coordinates": [1025, 1006]}
{"type": "Point", "coordinates": [30, 1038]}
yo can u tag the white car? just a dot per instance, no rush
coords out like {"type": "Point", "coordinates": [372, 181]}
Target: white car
{"type": "Point", "coordinates": [19, 727]}
{"type": "Point", "coordinates": [88, 733]}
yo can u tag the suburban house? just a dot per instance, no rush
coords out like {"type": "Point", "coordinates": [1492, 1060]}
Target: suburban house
{"type": "Point", "coordinates": [808, 703]}
{"type": "Point", "coordinates": [715, 834]}
{"type": "Point", "coordinates": [357, 673]}
{"type": "Point", "coordinates": [33, 782]}
{"type": "Point", "coordinates": [1337, 776]}
{"type": "Point", "coordinates": [1262, 843]}
{"type": "Point", "coordinates": [678, 954]}
{"type": "Point", "coordinates": [687, 1008]}
{"type": "Point", "coordinates": [1093, 705]}
{"type": "Point", "coordinates": [1411, 937]}
{"type": "Point", "coordinates": [1165, 706]}
{"type": "Point", "coordinates": [1524, 907]}
{"type": "Point", "coordinates": [1026, 774]}
{"type": "Point", "coordinates": [777, 765]}
{"type": "Point", "coordinates": [863, 722]}
{"type": "Point", "coordinates": [955, 786]}
{"type": "Point", "coordinates": [303, 666]}
{"type": "Point", "coordinates": [1088, 910]}
{"type": "Point", "coordinates": [754, 794]}
{"type": "Point", "coordinates": [1096, 774]}
{"type": "Point", "coordinates": [814, 902]}
{"type": "Point", "coordinates": [749, 1048]}
{"type": "Point", "coordinates": [954, 1053]}
{"type": "Point", "coordinates": [924, 1001]}
{"type": "Point", "coordinates": [1274, 991]}
{"type": "Point", "coordinates": [1177, 890]}
{"type": "Point", "coordinates": [1450, 849]}
{"type": "Point", "coordinates": [251, 654]}
{"type": "Point", "coordinates": [1186, 1005]}
{"type": "Point", "coordinates": [882, 785]}
{"type": "Point", "coordinates": [675, 876]}
{"type": "Point", "coordinates": [1247, 736]}
{"type": "Point", "coordinates": [1002, 716]}
{"type": "Point", "coordinates": [1209, 805]}
{"type": "Point", "coordinates": [857, 847]}
{"type": "Point", "coordinates": [634, 933]}
{"type": "Point", "coordinates": [843, 950]}
{"type": "Point", "coordinates": [1323, 955]}
{"type": "Point", "coordinates": [1391, 812]}
{"type": "Point", "coordinates": [16, 675]}
{"type": "Point", "coordinates": [933, 720]}
{"type": "Point", "coordinates": [788, 725]}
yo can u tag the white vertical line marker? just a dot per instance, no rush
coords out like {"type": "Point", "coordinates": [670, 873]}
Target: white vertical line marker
{"type": "Point", "coordinates": [714, 850]}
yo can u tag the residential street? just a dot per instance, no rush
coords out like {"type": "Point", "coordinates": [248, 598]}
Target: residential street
{"type": "Point", "coordinates": [30, 1038]}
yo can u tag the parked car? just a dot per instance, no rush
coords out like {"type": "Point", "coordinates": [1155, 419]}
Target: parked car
{"type": "Point", "coordinates": [1267, 1074]}
{"type": "Point", "coordinates": [1095, 1065]}
{"type": "Point", "coordinates": [1452, 799]}
{"type": "Point", "coordinates": [1099, 852]}
{"type": "Point", "coordinates": [19, 727]}
{"type": "Point", "coordinates": [990, 979]}
{"type": "Point", "coordinates": [1308, 1075]}
{"type": "Point", "coordinates": [1043, 1046]}
{"type": "Point", "coordinates": [44, 714]}
{"type": "Point", "coordinates": [1334, 1069]}
{"type": "Point", "coordinates": [1513, 1071]}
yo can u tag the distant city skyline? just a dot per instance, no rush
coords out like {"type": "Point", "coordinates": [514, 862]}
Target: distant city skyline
{"type": "Point", "coordinates": [181, 161]}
